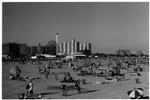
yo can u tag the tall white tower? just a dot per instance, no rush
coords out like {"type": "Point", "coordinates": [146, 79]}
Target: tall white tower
{"type": "Point", "coordinates": [65, 47]}
{"type": "Point", "coordinates": [57, 37]}
{"type": "Point", "coordinates": [57, 42]}
{"type": "Point", "coordinates": [73, 46]}
{"type": "Point", "coordinates": [68, 48]}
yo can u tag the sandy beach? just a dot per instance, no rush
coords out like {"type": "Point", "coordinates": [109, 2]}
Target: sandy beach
{"type": "Point", "coordinates": [49, 87]}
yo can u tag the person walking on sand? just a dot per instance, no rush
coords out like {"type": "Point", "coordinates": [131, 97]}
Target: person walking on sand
{"type": "Point", "coordinates": [30, 90]}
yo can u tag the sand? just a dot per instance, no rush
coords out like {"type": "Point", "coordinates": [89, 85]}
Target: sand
{"type": "Point", "coordinates": [93, 90]}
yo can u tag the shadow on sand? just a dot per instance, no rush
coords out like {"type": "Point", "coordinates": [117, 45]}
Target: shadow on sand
{"type": "Point", "coordinates": [48, 93]}
{"type": "Point", "coordinates": [121, 80]}
{"type": "Point", "coordinates": [142, 97]}
{"type": "Point", "coordinates": [145, 97]}
{"type": "Point", "coordinates": [126, 79]}
{"type": "Point", "coordinates": [53, 88]}
{"type": "Point", "coordinates": [84, 91]}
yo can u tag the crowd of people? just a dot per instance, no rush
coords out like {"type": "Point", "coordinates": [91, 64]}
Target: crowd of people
{"type": "Point", "coordinates": [99, 67]}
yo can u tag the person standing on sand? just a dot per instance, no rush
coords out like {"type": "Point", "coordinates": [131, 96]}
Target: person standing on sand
{"type": "Point", "coordinates": [56, 76]}
{"type": "Point", "coordinates": [27, 89]}
{"type": "Point", "coordinates": [77, 84]}
{"type": "Point", "coordinates": [40, 69]}
{"type": "Point", "coordinates": [64, 88]}
{"type": "Point", "coordinates": [46, 74]}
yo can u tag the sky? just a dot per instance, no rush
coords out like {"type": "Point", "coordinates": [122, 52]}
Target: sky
{"type": "Point", "coordinates": [107, 26]}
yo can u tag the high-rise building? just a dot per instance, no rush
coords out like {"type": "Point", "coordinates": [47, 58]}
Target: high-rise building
{"type": "Point", "coordinates": [61, 48]}
{"type": "Point", "coordinates": [81, 47]}
{"type": "Point", "coordinates": [87, 46]}
{"type": "Point", "coordinates": [33, 50]}
{"type": "Point", "coordinates": [5, 49]}
{"type": "Point", "coordinates": [65, 47]}
{"type": "Point", "coordinates": [40, 49]}
{"type": "Point", "coordinates": [139, 53]}
{"type": "Point", "coordinates": [90, 47]}
{"type": "Point", "coordinates": [23, 49]}
{"type": "Point", "coordinates": [15, 50]}
{"type": "Point", "coordinates": [73, 46]}
{"type": "Point", "coordinates": [28, 51]}
{"type": "Point", "coordinates": [68, 48]}
{"type": "Point", "coordinates": [84, 46]}
{"type": "Point", "coordinates": [121, 52]}
{"type": "Point", "coordinates": [77, 46]}
{"type": "Point", "coordinates": [127, 52]}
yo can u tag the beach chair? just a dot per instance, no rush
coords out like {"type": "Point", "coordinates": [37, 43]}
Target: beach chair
{"type": "Point", "coordinates": [137, 80]}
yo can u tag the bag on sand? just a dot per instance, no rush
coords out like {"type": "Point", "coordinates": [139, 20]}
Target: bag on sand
{"type": "Point", "coordinates": [15, 71]}
{"type": "Point", "coordinates": [27, 86]}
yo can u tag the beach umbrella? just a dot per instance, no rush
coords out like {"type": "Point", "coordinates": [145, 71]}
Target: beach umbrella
{"type": "Point", "coordinates": [135, 93]}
